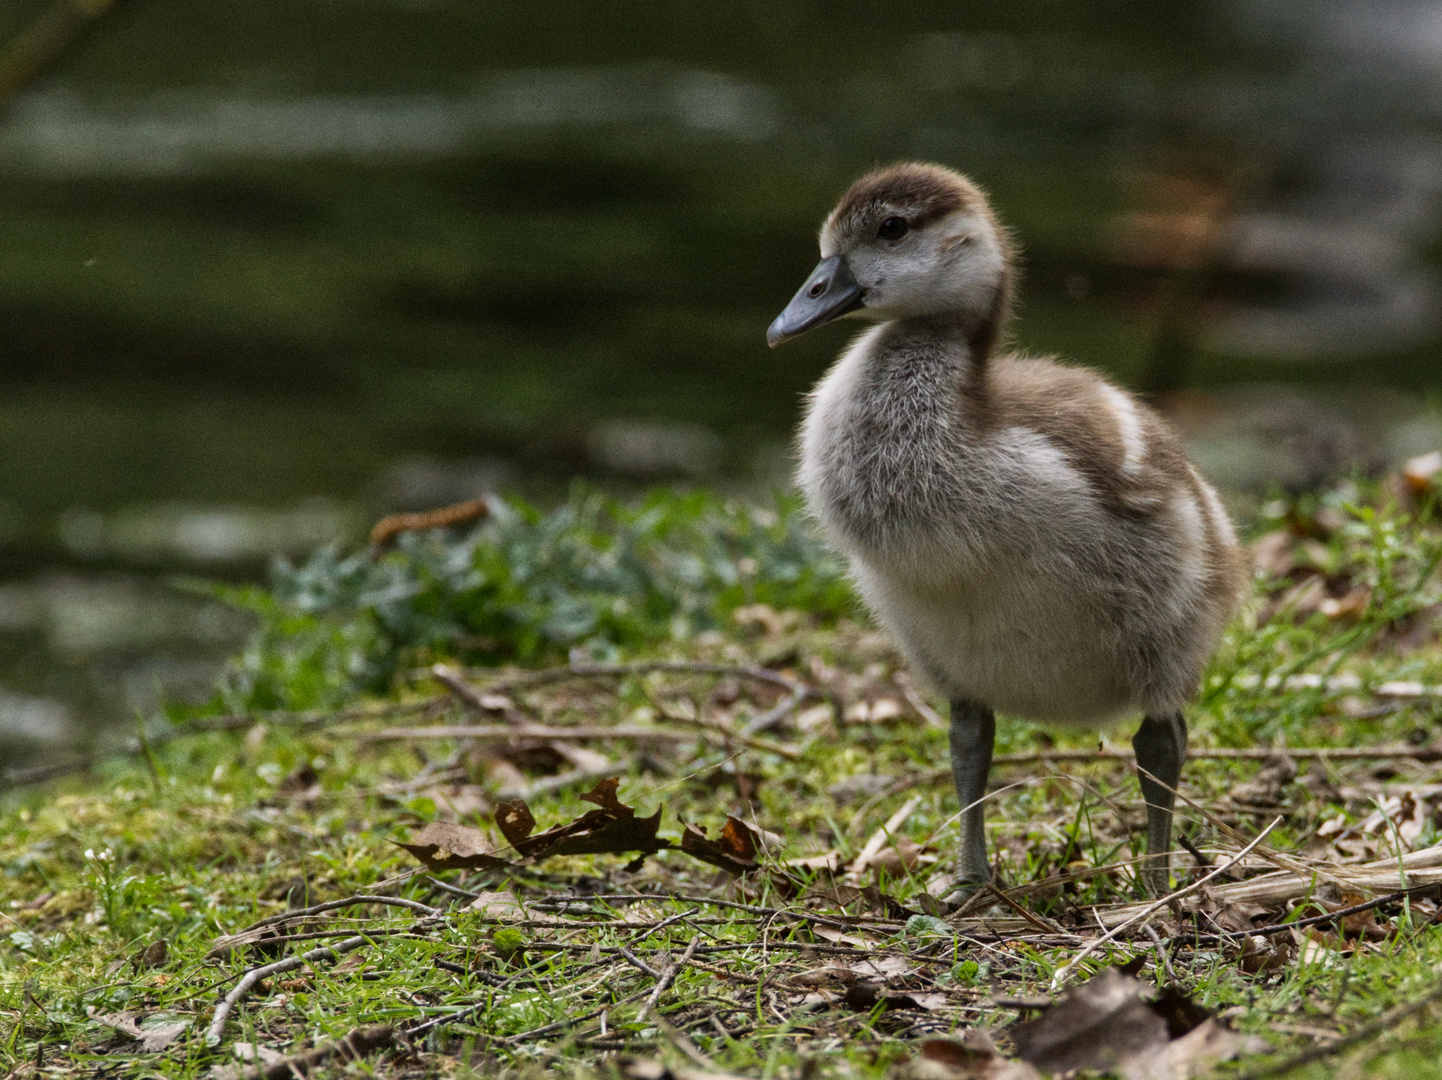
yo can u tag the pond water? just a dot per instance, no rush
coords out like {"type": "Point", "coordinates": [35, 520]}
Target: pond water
{"type": "Point", "coordinates": [268, 270]}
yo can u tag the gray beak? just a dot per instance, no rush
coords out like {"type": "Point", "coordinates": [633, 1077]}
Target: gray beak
{"type": "Point", "coordinates": [829, 293]}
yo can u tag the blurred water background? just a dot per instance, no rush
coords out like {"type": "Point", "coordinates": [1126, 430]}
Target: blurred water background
{"type": "Point", "coordinates": [271, 269]}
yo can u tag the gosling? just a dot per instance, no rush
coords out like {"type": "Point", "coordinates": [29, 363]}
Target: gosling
{"type": "Point", "coordinates": [1032, 536]}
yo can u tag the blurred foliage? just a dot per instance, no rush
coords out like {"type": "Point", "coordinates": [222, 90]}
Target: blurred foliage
{"type": "Point", "coordinates": [526, 586]}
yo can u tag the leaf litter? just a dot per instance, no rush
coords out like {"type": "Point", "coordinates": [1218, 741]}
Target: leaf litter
{"type": "Point", "coordinates": [558, 946]}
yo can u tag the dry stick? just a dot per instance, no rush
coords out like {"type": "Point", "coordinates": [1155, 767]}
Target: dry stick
{"type": "Point", "coordinates": [331, 905]}
{"type": "Point", "coordinates": [254, 975]}
{"type": "Point", "coordinates": [882, 835]}
{"type": "Point", "coordinates": [923, 709]}
{"type": "Point", "coordinates": [683, 1043]}
{"type": "Point", "coordinates": [672, 970]}
{"type": "Point", "coordinates": [1317, 920]}
{"type": "Point", "coordinates": [352, 1045]}
{"type": "Point", "coordinates": [775, 715]}
{"type": "Point", "coordinates": [845, 922]}
{"type": "Point", "coordinates": [1034, 919]}
{"type": "Point", "coordinates": [644, 667]}
{"type": "Point", "coordinates": [500, 733]}
{"type": "Point", "coordinates": [550, 784]}
{"type": "Point", "coordinates": [1228, 753]}
{"type": "Point", "coordinates": [637, 963]}
{"type": "Point", "coordinates": [1251, 753]}
{"type": "Point", "coordinates": [1110, 935]}
{"type": "Point", "coordinates": [505, 732]}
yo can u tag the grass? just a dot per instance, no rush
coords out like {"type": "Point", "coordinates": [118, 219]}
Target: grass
{"type": "Point", "coordinates": [273, 799]}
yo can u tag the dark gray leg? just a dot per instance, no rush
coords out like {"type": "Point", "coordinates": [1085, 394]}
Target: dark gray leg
{"type": "Point", "coordinates": [973, 730]}
{"type": "Point", "coordinates": [1161, 747]}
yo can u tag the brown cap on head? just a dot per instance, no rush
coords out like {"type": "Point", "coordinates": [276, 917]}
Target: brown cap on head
{"type": "Point", "coordinates": [919, 191]}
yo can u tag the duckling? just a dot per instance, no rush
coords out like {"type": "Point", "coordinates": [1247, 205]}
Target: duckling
{"type": "Point", "coordinates": [1032, 536]}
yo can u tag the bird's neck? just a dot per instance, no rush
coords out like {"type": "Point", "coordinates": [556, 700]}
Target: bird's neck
{"type": "Point", "coordinates": [932, 361]}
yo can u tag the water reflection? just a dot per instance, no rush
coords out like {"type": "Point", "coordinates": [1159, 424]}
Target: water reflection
{"type": "Point", "coordinates": [271, 270]}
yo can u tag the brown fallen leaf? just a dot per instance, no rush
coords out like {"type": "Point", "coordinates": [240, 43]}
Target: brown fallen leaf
{"type": "Point", "coordinates": [632, 1068]}
{"type": "Point", "coordinates": [153, 1037]}
{"type": "Point", "coordinates": [734, 851]}
{"type": "Point", "coordinates": [498, 905]}
{"type": "Point", "coordinates": [444, 845]}
{"type": "Point", "coordinates": [884, 904]}
{"type": "Point", "coordinates": [858, 939]}
{"type": "Point", "coordinates": [1114, 1022]}
{"type": "Point", "coordinates": [153, 955]}
{"type": "Point", "coordinates": [613, 828]}
{"type": "Point", "coordinates": [972, 1057]}
{"type": "Point", "coordinates": [863, 996]}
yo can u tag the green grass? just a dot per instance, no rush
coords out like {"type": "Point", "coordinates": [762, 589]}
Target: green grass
{"type": "Point", "coordinates": [285, 803]}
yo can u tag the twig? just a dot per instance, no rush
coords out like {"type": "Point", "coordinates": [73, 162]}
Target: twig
{"type": "Point", "coordinates": [1152, 909]}
{"type": "Point", "coordinates": [923, 709]}
{"type": "Point", "coordinates": [779, 712]}
{"type": "Point", "coordinates": [644, 667]}
{"type": "Point", "coordinates": [247, 982]}
{"type": "Point", "coordinates": [1164, 963]}
{"type": "Point", "coordinates": [458, 686]}
{"type": "Point", "coordinates": [388, 529]}
{"type": "Point", "coordinates": [503, 733]}
{"type": "Point", "coordinates": [1229, 753]}
{"type": "Point", "coordinates": [1036, 920]}
{"type": "Point", "coordinates": [636, 962]}
{"type": "Point", "coordinates": [1317, 920]}
{"type": "Point", "coordinates": [1218, 753]}
{"type": "Point", "coordinates": [683, 1043]}
{"type": "Point", "coordinates": [550, 784]}
{"type": "Point", "coordinates": [332, 905]}
{"type": "Point", "coordinates": [354, 1044]}
{"type": "Point", "coordinates": [842, 922]}
{"type": "Point", "coordinates": [499, 733]}
{"type": "Point", "coordinates": [672, 970]}
{"type": "Point", "coordinates": [879, 838]}
{"type": "Point", "coordinates": [1195, 852]}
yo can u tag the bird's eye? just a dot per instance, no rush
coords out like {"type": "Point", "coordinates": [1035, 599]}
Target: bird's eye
{"type": "Point", "coordinates": [893, 228]}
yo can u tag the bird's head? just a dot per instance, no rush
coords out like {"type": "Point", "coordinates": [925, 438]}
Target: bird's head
{"type": "Point", "coordinates": [904, 241]}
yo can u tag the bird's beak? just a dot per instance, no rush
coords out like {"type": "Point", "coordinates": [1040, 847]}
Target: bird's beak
{"type": "Point", "coordinates": [829, 293]}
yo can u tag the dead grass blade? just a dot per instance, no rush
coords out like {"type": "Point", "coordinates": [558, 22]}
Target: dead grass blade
{"type": "Point", "coordinates": [1148, 910]}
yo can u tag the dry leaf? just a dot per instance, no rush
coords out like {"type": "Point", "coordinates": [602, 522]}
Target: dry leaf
{"type": "Point", "coordinates": [443, 845]}
{"type": "Point", "coordinates": [1423, 474]}
{"type": "Point", "coordinates": [864, 996]}
{"type": "Point", "coordinates": [612, 829]}
{"type": "Point", "coordinates": [1205, 1044]}
{"type": "Point", "coordinates": [973, 1057]}
{"type": "Point", "coordinates": [857, 939]}
{"type": "Point", "coordinates": [155, 1035]}
{"type": "Point", "coordinates": [498, 905]}
{"type": "Point", "coordinates": [734, 851]}
{"type": "Point", "coordinates": [1115, 1023]}
{"type": "Point", "coordinates": [632, 1068]}
{"type": "Point", "coordinates": [885, 968]}
{"type": "Point", "coordinates": [1264, 791]}
{"type": "Point", "coordinates": [885, 905]}
{"type": "Point", "coordinates": [455, 802]}
{"type": "Point", "coordinates": [256, 1053]}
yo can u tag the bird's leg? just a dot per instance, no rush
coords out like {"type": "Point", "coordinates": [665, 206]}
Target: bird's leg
{"type": "Point", "coordinates": [1161, 747]}
{"type": "Point", "coordinates": [973, 729]}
